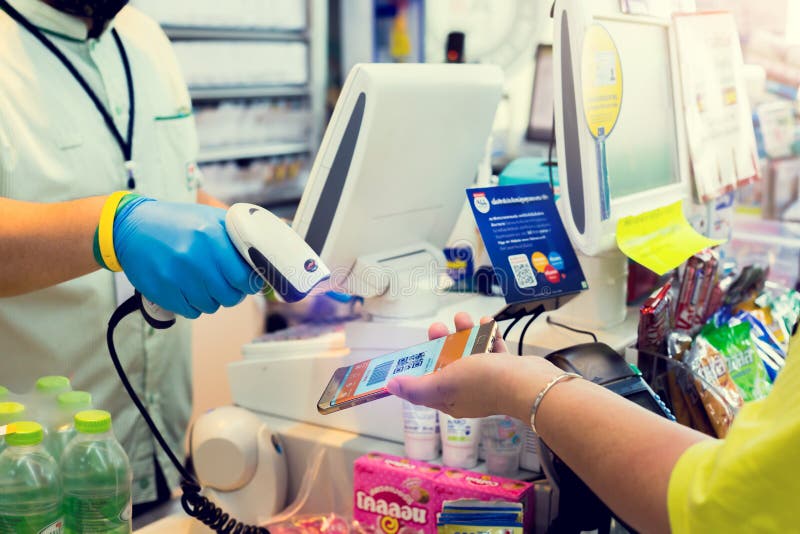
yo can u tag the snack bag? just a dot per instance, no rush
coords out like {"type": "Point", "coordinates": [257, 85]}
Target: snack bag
{"type": "Point", "coordinates": [713, 382]}
{"type": "Point", "coordinates": [780, 309]}
{"type": "Point", "coordinates": [744, 364]}
{"type": "Point", "coordinates": [698, 281]}
{"type": "Point", "coordinates": [767, 347]}
{"type": "Point", "coordinates": [677, 346]}
{"type": "Point", "coordinates": [655, 320]}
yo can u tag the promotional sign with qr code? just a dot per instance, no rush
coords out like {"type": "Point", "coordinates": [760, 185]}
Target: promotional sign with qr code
{"type": "Point", "coordinates": [526, 241]}
{"type": "Point", "coordinates": [372, 375]}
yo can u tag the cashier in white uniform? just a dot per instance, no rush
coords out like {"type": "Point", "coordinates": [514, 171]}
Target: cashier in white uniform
{"type": "Point", "coordinates": [92, 102]}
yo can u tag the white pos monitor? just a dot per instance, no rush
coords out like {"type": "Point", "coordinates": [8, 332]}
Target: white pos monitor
{"type": "Point", "coordinates": [388, 182]}
{"type": "Point", "coordinates": [639, 163]}
{"type": "Point", "coordinates": [620, 137]}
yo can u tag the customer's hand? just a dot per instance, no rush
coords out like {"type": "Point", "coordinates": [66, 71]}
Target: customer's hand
{"type": "Point", "coordinates": [479, 385]}
{"type": "Point", "coordinates": [179, 256]}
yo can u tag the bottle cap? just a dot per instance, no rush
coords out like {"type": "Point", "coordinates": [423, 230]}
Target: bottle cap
{"type": "Point", "coordinates": [93, 421]}
{"type": "Point", "coordinates": [422, 448]}
{"type": "Point", "coordinates": [52, 384]}
{"type": "Point", "coordinates": [9, 411]}
{"type": "Point", "coordinates": [75, 400]}
{"type": "Point", "coordinates": [3, 392]}
{"type": "Point", "coordinates": [25, 433]}
{"type": "Point", "coordinates": [463, 457]}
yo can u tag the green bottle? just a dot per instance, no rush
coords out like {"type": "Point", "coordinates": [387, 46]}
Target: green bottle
{"type": "Point", "coordinates": [96, 478]}
{"type": "Point", "coordinates": [42, 402]}
{"type": "Point", "coordinates": [62, 426]}
{"type": "Point", "coordinates": [46, 389]}
{"type": "Point", "coordinates": [30, 491]}
{"type": "Point", "coordinates": [51, 386]}
{"type": "Point", "coordinates": [10, 412]}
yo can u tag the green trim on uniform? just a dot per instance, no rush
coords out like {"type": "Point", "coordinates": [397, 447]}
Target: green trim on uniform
{"type": "Point", "coordinates": [181, 115]}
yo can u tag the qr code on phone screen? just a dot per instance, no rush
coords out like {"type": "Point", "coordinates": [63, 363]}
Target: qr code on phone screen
{"type": "Point", "coordinates": [523, 272]}
{"type": "Point", "coordinates": [408, 363]}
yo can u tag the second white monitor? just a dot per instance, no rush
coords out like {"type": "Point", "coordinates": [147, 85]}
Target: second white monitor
{"type": "Point", "coordinates": [388, 182]}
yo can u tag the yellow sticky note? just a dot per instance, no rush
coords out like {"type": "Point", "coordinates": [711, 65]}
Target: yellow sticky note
{"type": "Point", "coordinates": [661, 239]}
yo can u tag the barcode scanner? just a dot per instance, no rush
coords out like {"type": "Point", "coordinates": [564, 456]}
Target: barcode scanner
{"type": "Point", "coordinates": [274, 251]}
{"type": "Point", "coordinates": [285, 262]}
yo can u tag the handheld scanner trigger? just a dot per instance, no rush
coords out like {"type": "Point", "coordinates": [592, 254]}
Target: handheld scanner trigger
{"type": "Point", "coordinates": [155, 315]}
{"type": "Point", "coordinates": [275, 251]}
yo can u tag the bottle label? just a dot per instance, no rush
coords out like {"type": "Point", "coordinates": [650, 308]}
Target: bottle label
{"type": "Point", "coordinates": [57, 527]}
{"type": "Point", "coordinates": [32, 522]}
{"type": "Point", "coordinates": [108, 513]}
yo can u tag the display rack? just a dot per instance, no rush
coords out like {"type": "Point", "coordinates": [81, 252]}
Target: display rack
{"type": "Point", "coordinates": [265, 150]}
{"type": "Point", "coordinates": [230, 92]}
{"type": "Point", "coordinates": [285, 194]}
{"type": "Point", "coordinates": [237, 34]}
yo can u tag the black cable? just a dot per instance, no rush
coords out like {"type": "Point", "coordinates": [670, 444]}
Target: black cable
{"type": "Point", "coordinates": [571, 329]}
{"type": "Point", "coordinates": [535, 315]}
{"type": "Point", "coordinates": [132, 104]}
{"type": "Point", "coordinates": [509, 327]}
{"type": "Point", "coordinates": [194, 504]}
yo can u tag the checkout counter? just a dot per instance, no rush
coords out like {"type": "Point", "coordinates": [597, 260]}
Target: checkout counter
{"type": "Point", "coordinates": [379, 213]}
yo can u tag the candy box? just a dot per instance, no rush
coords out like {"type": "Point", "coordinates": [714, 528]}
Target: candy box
{"type": "Point", "coordinates": [394, 495]}
{"type": "Point", "coordinates": [452, 484]}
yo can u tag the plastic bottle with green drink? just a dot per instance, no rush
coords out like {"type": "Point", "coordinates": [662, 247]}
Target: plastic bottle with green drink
{"type": "Point", "coordinates": [30, 490]}
{"type": "Point", "coordinates": [62, 425]}
{"type": "Point", "coordinates": [53, 385]}
{"type": "Point", "coordinates": [96, 478]}
{"type": "Point", "coordinates": [41, 403]}
{"type": "Point", "coordinates": [10, 412]}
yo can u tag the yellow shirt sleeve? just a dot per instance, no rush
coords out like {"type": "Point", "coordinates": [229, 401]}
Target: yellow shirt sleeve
{"type": "Point", "coordinates": [750, 481]}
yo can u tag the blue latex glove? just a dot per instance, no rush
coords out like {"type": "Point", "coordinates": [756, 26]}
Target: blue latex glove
{"type": "Point", "coordinates": [179, 256]}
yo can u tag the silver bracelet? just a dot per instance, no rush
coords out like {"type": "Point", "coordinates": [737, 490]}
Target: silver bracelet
{"type": "Point", "coordinates": [543, 392]}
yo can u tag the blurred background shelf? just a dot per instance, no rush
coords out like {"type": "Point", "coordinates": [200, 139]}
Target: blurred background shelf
{"type": "Point", "coordinates": [231, 33]}
{"type": "Point", "coordinates": [223, 153]}
{"type": "Point", "coordinates": [257, 72]}
{"type": "Point", "coordinates": [223, 92]}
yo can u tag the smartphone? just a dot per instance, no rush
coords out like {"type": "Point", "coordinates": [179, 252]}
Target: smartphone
{"type": "Point", "coordinates": [366, 381]}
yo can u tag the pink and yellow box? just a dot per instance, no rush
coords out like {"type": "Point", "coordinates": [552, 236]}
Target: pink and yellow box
{"type": "Point", "coordinates": [395, 495]}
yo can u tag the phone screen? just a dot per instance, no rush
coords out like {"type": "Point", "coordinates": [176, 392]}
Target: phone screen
{"type": "Point", "coordinates": [368, 377]}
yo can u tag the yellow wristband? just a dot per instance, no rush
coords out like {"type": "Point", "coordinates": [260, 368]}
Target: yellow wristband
{"type": "Point", "coordinates": [105, 230]}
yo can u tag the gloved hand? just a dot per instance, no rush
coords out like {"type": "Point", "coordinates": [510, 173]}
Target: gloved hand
{"type": "Point", "coordinates": [179, 256]}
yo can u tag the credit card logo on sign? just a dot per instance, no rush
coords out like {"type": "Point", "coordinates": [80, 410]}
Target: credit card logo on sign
{"type": "Point", "coordinates": [523, 272]}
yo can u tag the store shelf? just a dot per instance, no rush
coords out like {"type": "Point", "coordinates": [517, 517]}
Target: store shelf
{"type": "Point", "coordinates": [217, 32]}
{"type": "Point", "coordinates": [247, 91]}
{"type": "Point", "coordinates": [280, 198]}
{"type": "Point", "coordinates": [226, 153]}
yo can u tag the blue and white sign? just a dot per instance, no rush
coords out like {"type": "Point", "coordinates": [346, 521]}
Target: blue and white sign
{"type": "Point", "coordinates": [526, 240]}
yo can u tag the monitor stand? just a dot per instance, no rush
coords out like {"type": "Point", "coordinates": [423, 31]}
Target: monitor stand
{"type": "Point", "coordinates": [400, 284]}
{"type": "Point", "coordinates": [602, 306]}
